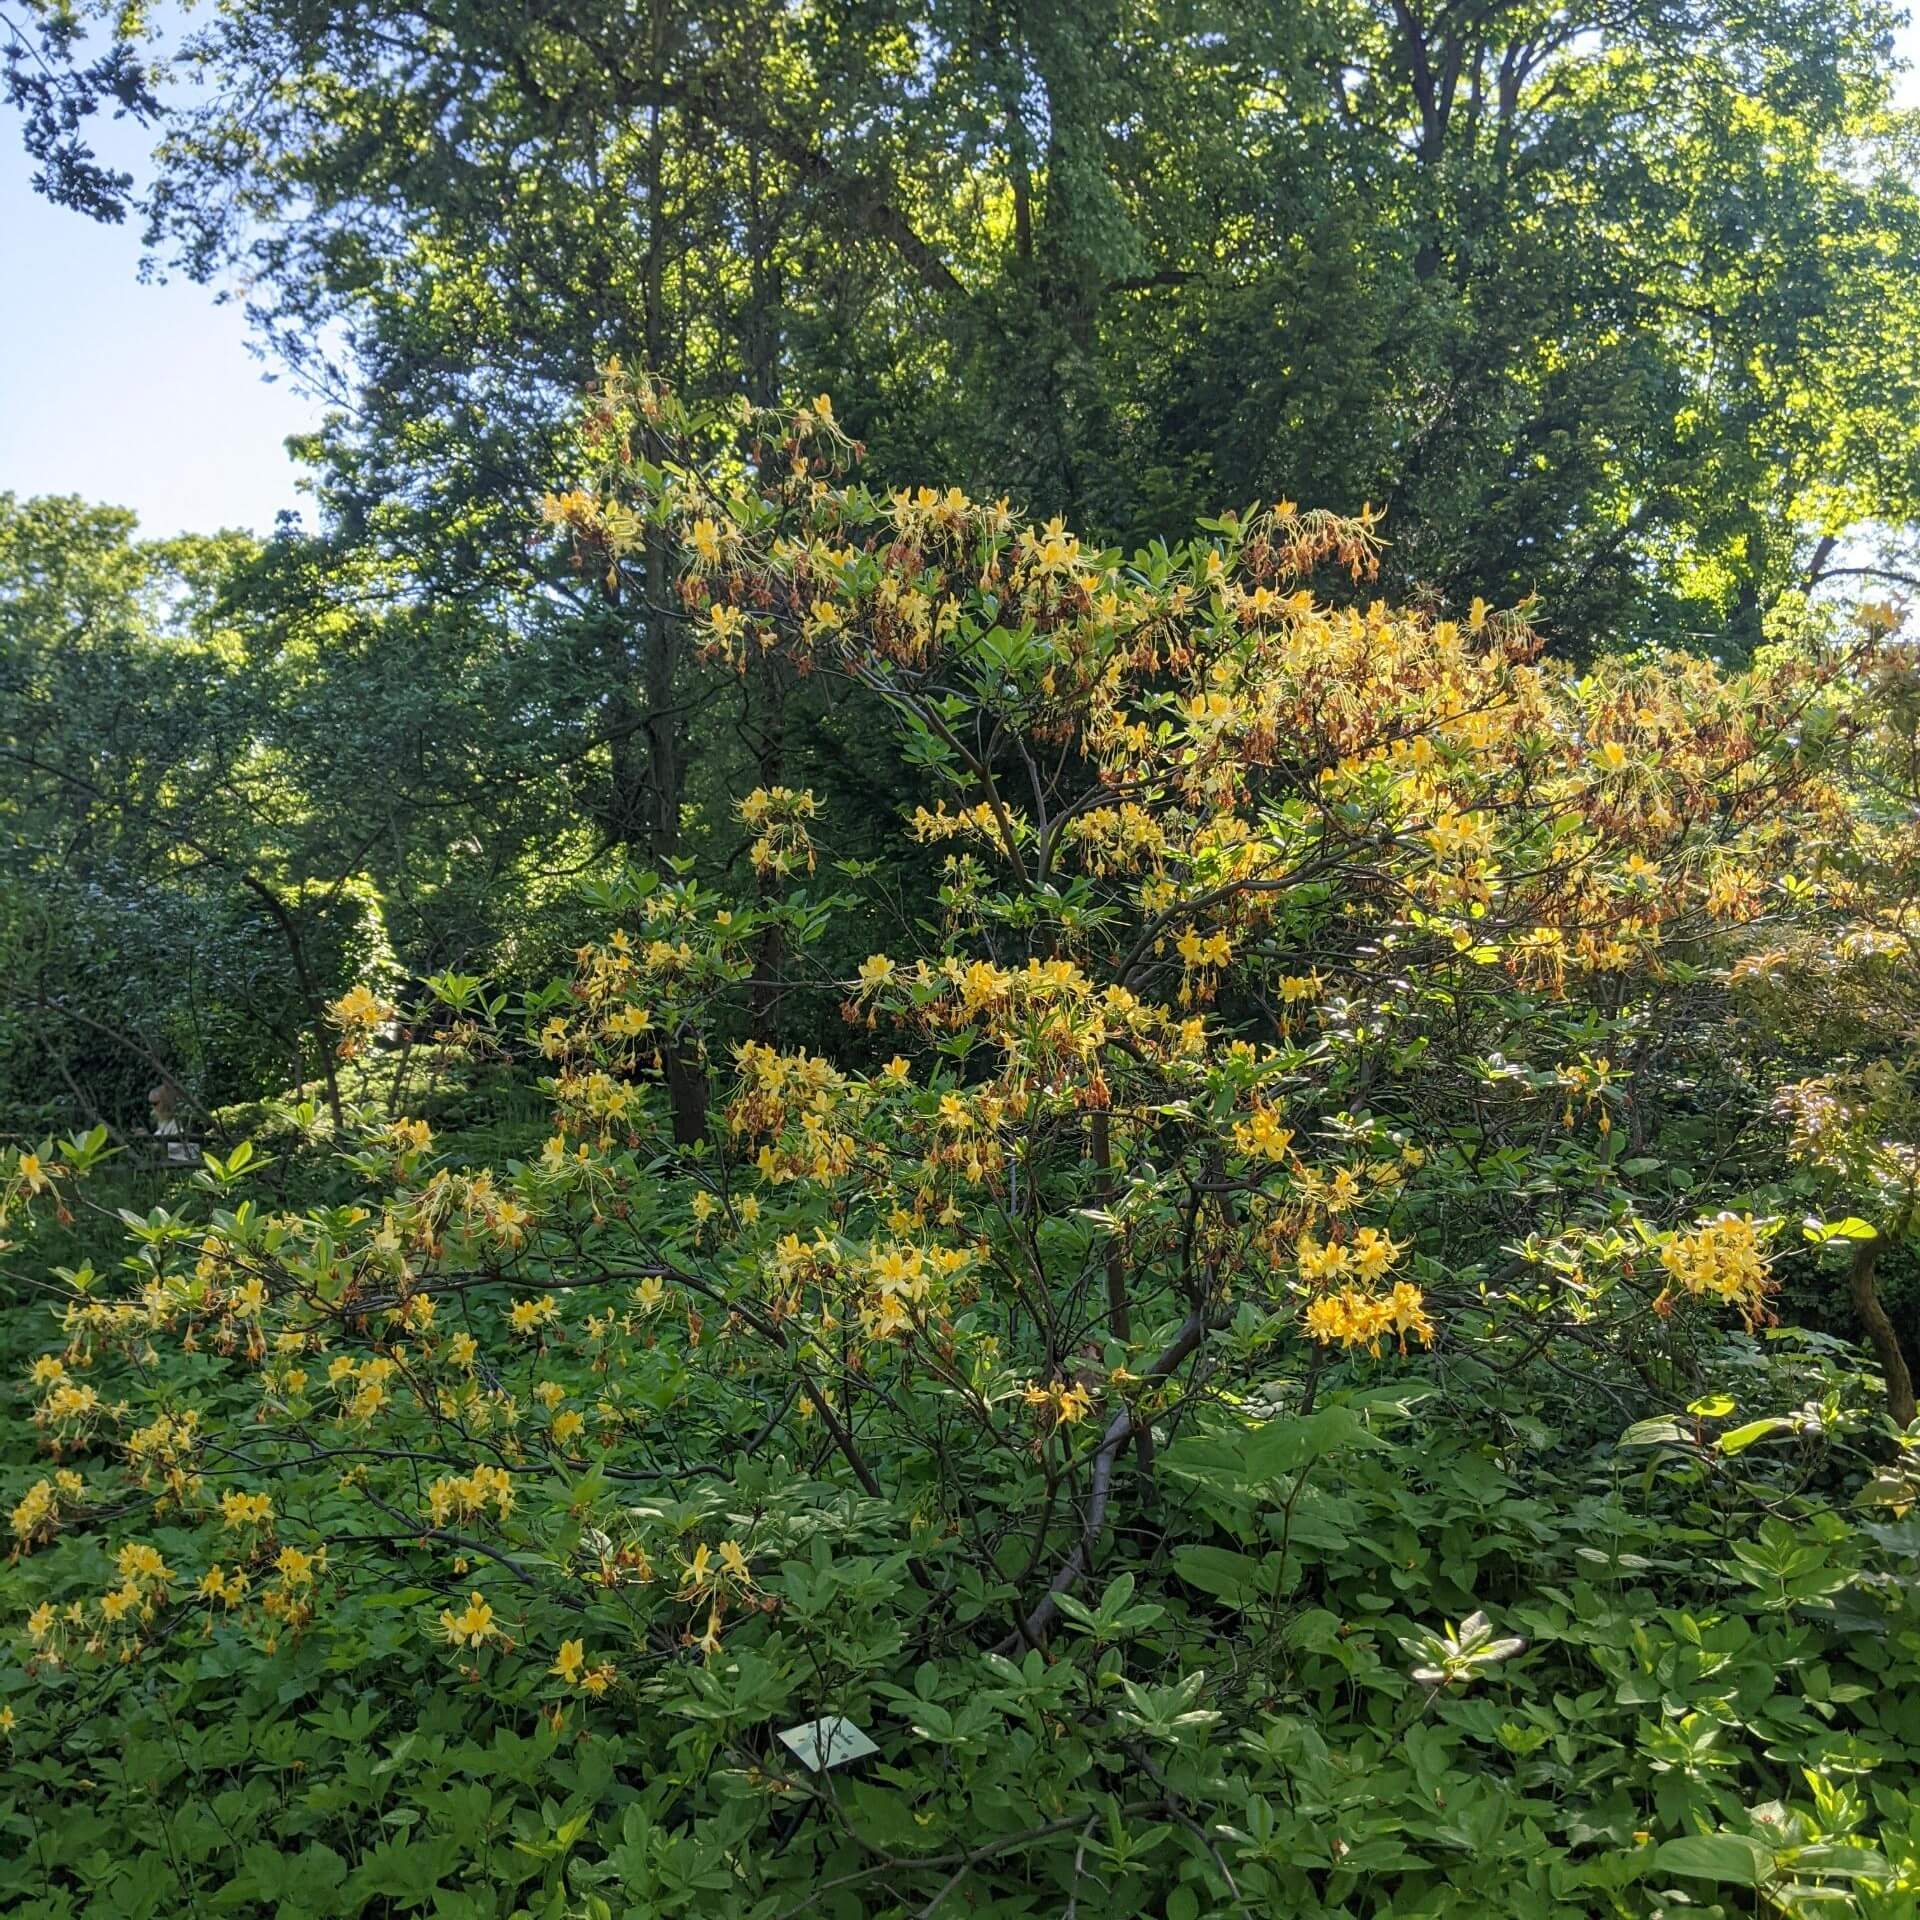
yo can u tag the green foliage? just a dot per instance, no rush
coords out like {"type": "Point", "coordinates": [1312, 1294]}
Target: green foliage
{"type": "Point", "coordinates": [1605, 303]}
{"type": "Point", "coordinates": [1697, 1679]}
{"type": "Point", "coordinates": [401, 1529]}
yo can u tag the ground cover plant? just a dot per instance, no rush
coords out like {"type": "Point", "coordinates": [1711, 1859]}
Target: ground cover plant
{"type": "Point", "coordinates": [1217, 1299]}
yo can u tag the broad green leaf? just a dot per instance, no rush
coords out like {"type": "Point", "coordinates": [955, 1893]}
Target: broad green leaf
{"type": "Point", "coordinates": [1727, 1859]}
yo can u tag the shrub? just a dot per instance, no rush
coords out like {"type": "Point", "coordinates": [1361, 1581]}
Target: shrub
{"type": "Point", "coordinates": [1104, 1373]}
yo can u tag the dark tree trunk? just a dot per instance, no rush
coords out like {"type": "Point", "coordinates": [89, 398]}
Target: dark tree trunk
{"type": "Point", "coordinates": [1879, 1330]}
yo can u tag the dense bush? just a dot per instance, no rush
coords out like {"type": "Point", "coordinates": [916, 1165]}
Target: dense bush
{"type": "Point", "coordinates": [1237, 1344]}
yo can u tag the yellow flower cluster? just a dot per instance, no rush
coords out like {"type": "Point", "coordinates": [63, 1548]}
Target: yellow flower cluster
{"type": "Point", "coordinates": [1734, 892]}
{"type": "Point", "coordinates": [976, 823]}
{"type": "Point", "coordinates": [359, 1013]}
{"type": "Point", "coordinates": [70, 1409]}
{"type": "Point", "coordinates": [1352, 1318]}
{"type": "Point", "coordinates": [779, 818]}
{"type": "Point", "coordinates": [406, 1139]}
{"type": "Point", "coordinates": [298, 1568]}
{"type": "Point", "coordinates": [712, 1580]}
{"type": "Point", "coordinates": [144, 1580]}
{"type": "Point", "coordinates": [37, 1514]}
{"type": "Point", "coordinates": [1058, 1403]}
{"type": "Point", "coordinates": [803, 1110]}
{"type": "Point", "coordinates": [464, 1496]}
{"type": "Point", "coordinates": [573, 1667]}
{"type": "Point", "coordinates": [1724, 1258]}
{"type": "Point", "coordinates": [1349, 1303]}
{"type": "Point", "coordinates": [1203, 957]}
{"type": "Point", "coordinates": [1261, 1136]}
{"type": "Point", "coordinates": [472, 1626]}
{"type": "Point", "coordinates": [164, 1451]}
{"type": "Point", "coordinates": [530, 1316]}
{"type": "Point", "coordinates": [241, 1510]}
{"type": "Point", "coordinates": [1122, 839]}
{"type": "Point", "coordinates": [362, 1385]}
{"type": "Point", "coordinates": [902, 1280]}
{"type": "Point", "coordinates": [229, 1589]}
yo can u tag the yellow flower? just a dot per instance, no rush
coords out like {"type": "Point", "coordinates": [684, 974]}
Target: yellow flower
{"type": "Point", "coordinates": [360, 1008]}
{"type": "Point", "coordinates": [572, 1659]}
{"type": "Point", "coordinates": [120, 1602]}
{"type": "Point", "coordinates": [228, 1588]}
{"type": "Point", "coordinates": [1318, 1263]}
{"type": "Point", "coordinates": [1059, 1404]}
{"type": "Point", "coordinates": [1325, 1318]}
{"type": "Point", "coordinates": [297, 1569]}
{"type": "Point", "coordinates": [1408, 1307]}
{"type": "Point", "coordinates": [1261, 1136]}
{"type": "Point", "coordinates": [1372, 1253]}
{"type": "Point", "coordinates": [527, 1316]}
{"type": "Point", "coordinates": [245, 1510]}
{"type": "Point", "coordinates": [698, 1575]}
{"type": "Point", "coordinates": [1722, 1257]}
{"type": "Point", "coordinates": [137, 1562]}
{"type": "Point", "coordinates": [470, 1627]}
{"type": "Point", "coordinates": [69, 1402]}
{"type": "Point", "coordinates": [36, 1508]}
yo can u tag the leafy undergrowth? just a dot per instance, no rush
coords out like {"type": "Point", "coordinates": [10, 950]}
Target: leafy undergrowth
{"type": "Point", "coordinates": [1272, 1699]}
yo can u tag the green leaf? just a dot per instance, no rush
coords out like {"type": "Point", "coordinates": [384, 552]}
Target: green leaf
{"type": "Point", "coordinates": [1285, 1445]}
{"type": "Point", "coordinates": [1851, 1862]}
{"type": "Point", "coordinates": [1727, 1859]}
{"type": "Point", "coordinates": [1741, 1438]}
{"type": "Point", "coordinates": [1851, 1228]}
{"type": "Point", "coordinates": [1232, 1577]}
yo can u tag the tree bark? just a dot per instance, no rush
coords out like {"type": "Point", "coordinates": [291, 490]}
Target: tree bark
{"type": "Point", "coordinates": [1879, 1330]}
{"type": "Point", "coordinates": [1119, 1315]}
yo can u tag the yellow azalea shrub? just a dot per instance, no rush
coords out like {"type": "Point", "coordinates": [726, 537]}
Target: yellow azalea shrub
{"type": "Point", "coordinates": [1272, 928]}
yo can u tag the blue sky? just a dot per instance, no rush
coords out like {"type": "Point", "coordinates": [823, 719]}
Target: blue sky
{"type": "Point", "coordinates": [147, 396]}
{"type": "Point", "coordinates": [144, 396]}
